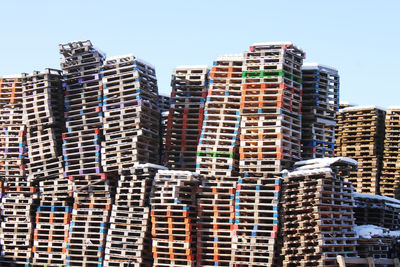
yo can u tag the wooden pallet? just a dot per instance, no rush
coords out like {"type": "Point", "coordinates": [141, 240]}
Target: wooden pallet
{"type": "Point", "coordinates": [345, 261]}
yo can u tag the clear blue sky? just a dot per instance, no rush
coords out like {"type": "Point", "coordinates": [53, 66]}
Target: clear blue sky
{"type": "Point", "coordinates": [359, 38]}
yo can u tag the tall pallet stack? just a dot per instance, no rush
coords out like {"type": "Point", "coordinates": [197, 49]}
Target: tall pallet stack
{"type": "Point", "coordinates": [131, 113]}
{"type": "Point", "coordinates": [43, 113]}
{"type": "Point", "coordinates": [92, 190]}
{"type": "Point", "coordinates": [319, 107]}
{"type": "Point", "coordinates": [218, 162]}
{"type": "Point", "coordinates": [362, 137]}
{"type": "Point", "coordinates": [17, 203]}
{"type": "Point", "coordinates": [217, 152]}
{"type": "Point", "coordinates": [390, 178]}
{"type": "Point", "coordinates": [129, 235]}
{"type": "Point", "coordinates": [269, 141]}
{"type": "Point", "coordinates": [318, 220]}
{"type": "Point", "coordinates": [185, 119]}
{"type": "Point", "coordinates": [271, 107]}
{"type": "Point", "coordinates": [173, 216]}
{"type": "Point", "coordinates": [83, 104]}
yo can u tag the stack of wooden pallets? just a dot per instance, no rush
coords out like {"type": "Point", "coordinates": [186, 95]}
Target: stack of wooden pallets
{"type": "Point", "coordinates": [318, 220]}
{"type": "Point", "coordinates": [362, 136]}
{"type": "Point", "coordinates": [43, 101]}
{"type": "Point", "coordinates": [164, 102]}
{"type": "Point", "coordinates": [92, 190]}
{"type": "Point", "coordinates": [217, 152]}
{"type": "Point", "coordinates": [131, 113]}
{"type": "Point", "coordinates": [83, 104]}
{"type": "Point", "coordinates": [51, 232]}
{"type": "Point", "coordinates": [390, 178]}
{"type": "Point", "coordinates": [377, 242]}
{"type": "Point", "coordinates": [271, 107]}
{"type": "Point", "coordinates": [173, 216]}
{"type": "Point", "coordinates": [339, 120]}
{"type": "Point", "coordinates": [377, 210]}
{"type": "Point", "coordinates": [376, 217]}
{"type": "Point", "coordinates": [93, 197]}
{"type": "Point", "coordinates": [216, 217]}
{"type": "Point", "coordinates": [256, 224]}
{"type": "Point", "coordinates": [319, 107]}
{"type": "Point", "coordinates": [129, 234]}
{"type": "Point", "coordinates": [189, 91]}
{"type": "Point", "coordinates": [43, 112]}
{"type": "Point", "coordinates": [218, 163]}
{"type": "Point", "coordinates": [270, 112]}
{"type": "Point", "coordinates": [18, 202]}
{"type": "Point", "coordinates": [377, 247]}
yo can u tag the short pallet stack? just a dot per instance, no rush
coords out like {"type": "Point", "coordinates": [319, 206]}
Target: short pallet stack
{"type": "Point", "coordinates": [377, 210]}
{"type": "Point", "coordinates": [255, 234]}
{"type": "Point", "coordinates": [269, 141]}
{"type": "Point", "coordinates": [216, 218]}
{"type": "Point", "coordinates": [43, 113]}
{"type": "Point", "coordinates": [189, 91]}
{"type": "Point", "coordinates": [390, 178]}
{"type": "Point", "coordinates": [319, 107]}
{"type": "Point", "coordinates": [217, 152]}
{"type": "Point", "coordinates": [362, 137]}
{"type": "Point", "coordinates": [17, 203]}
{"type": "Point", "coordinates": [129, 235]}
{"type": "Point", "coordinates": [377, 247]}
{"type": "Point", "coordinates": [93, 197]}
{"type": "Point", "coordinates": [164, 102]}
{"type": "Point", "coordinates": [173, 216]}
{"type": "Point", "coordinates": [131, 113]}
{"type": "Point", "coordinates": [377, 242]}
{"type": "Point", "coordinates": [318, 220]}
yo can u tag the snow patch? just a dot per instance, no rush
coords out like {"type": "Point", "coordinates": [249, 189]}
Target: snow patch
{"type": "Point", "coordinates": [150, 165]}
{"type": "Point", "coordinates": [12, 76]}
{"type": "Point", "coordinates": [369, 231]}
{"type": "Point", "coordinates": [272, 43]}
{"type": "Point", "coordinates": [319, 171]}
{"type": "Point", "coordinates": [185, 67]}
{"type": "Point", "coordinates": [323, 162]}
{"type": "Point", "coordinates": [317, 66]}
{"type": "Point", "coordinates": [122, 56]}
{"type": "Point", "coordinates": [393, 108]}
{"type": "Point", "coordinates": [144, 62]}
{"type": "Point", "coordinates": [355, 108]}
{"type": "Point", "coordinates": [236, 57]}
